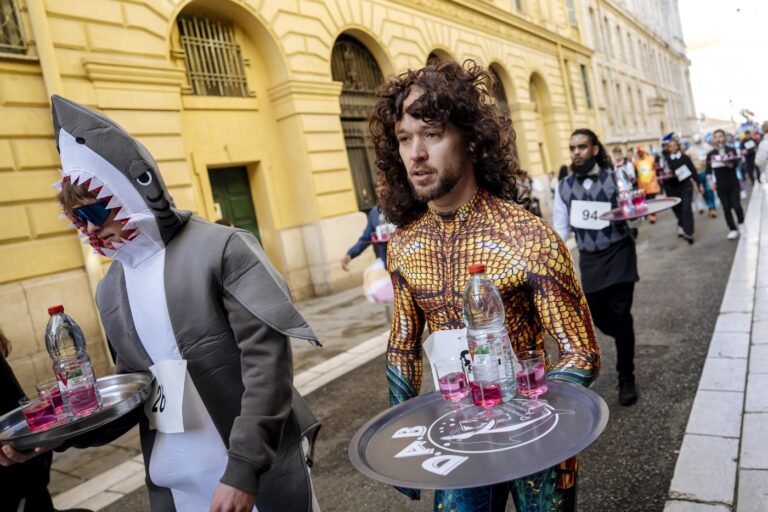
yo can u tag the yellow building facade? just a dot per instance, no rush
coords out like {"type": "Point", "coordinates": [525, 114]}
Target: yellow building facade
{"type": "Point", "coordinates": [252, 107]}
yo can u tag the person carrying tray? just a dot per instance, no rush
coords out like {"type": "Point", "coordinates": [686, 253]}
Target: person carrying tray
{"type": "Point", "coordinates": [199, 305]}
{"type": "Point", "coordinates": [679, 175]}
{"type": "Point", "coordinates": [722, 163]}
{"type": "Point", "coordinates": [451, 183]}
{"type": "Point", "coordinates": [607, 256]}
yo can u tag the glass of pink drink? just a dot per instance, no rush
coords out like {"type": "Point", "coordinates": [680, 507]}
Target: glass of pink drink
{"type": "Point", "coordinates": [49, 391]}
{"type": "Point", "coordinates": [38, 413]}
{"type": "Point", "coordinates": [532, 375]}
{"type": "Point", "coordinates": [451, 379]}
{"type": "Point", "coordinates": [83, 400]}
{"type": "Point", "coordinates": [485, 394]}
{"type": "Point", "coordinates": [638, 200]}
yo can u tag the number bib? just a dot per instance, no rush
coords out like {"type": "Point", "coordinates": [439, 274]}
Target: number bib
{"type": "Point", "coordinates": [164, 408]}
{"type": "Point", "coordinates": [586, 214]}
{"type": "Point", "coordinates": [682, 173]}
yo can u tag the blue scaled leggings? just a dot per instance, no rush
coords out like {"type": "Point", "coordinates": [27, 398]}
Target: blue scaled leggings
{"type": "Point", "coordinates": [709, 196]}
{"type": "Point", "coordinates": [551, 490]}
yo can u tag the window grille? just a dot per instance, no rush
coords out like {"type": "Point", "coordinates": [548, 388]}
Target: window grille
{"type": "Point", "coordinates": [11, 36]}
{"type": "Point", "coordinates": [214, 60]}
{"type": "Point", "coordinates": [354, 66]}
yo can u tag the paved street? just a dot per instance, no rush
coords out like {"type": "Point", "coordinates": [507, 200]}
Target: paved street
{"type": "Point", "coordinates": [630, 467]}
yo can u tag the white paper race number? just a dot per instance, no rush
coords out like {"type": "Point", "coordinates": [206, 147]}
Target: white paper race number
{"type": "Point", "coordinates": [164, 408]}
{"type": "Point", "coordinates": [586, 214]}
{"type": "Point", "coordinates": [682, 173]}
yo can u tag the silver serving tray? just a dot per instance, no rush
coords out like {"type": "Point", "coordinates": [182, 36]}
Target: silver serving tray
{"type": "Point", "coordinates": [652, 206]}
{"type": "Point", "coordinates": [120, 395]}
{"type": "Point", "coordinates": [574, 417]}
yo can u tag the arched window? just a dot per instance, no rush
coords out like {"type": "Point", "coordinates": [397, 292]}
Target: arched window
{"type": "Point", "coordinates": [354, 66]}
{"type": "Point", "coordinates": [498, 91]}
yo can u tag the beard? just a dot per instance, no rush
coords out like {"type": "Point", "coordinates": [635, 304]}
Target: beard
{"type": "Point", "coordinates": [583, 169]}
{"type": "Point", "coordinates": [445, 183]}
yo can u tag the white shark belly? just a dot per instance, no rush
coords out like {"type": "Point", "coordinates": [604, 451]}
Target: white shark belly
{"type": "Point", "coordinates": [191, 463]}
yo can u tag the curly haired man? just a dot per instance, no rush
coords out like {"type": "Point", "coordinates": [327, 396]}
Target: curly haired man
{"type": "Point", "coordinates": [452, 185]}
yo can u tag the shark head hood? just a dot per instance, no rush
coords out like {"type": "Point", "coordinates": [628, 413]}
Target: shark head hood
{"type": "Point", "coordinates": [100, 156]}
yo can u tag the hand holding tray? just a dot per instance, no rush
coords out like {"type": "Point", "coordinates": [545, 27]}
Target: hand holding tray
{"type": "Point", "coordinates": [120, 395]}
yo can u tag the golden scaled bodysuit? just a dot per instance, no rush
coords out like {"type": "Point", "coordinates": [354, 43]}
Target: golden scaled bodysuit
{"type": "Point", "coordinates": [529, 264]}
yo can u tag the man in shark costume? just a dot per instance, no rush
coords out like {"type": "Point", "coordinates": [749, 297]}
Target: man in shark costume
{"type": "Point", "coordinates": [199, 296]}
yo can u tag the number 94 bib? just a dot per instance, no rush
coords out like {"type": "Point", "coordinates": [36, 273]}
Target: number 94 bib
{"type": "Point", "coordinates": [164, 407]}
{"type": "Point", "coordinates": [586, 214]}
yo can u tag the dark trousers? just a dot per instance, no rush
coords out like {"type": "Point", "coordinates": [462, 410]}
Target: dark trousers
{"type": "Point", "coordinates": [730, 200]}
{"type": "Point", "coordinates": [611, 312]}
{"type": "Point", "coordinates": [750, 168]}
{"type": "Point", "coordinates": [683, 210]}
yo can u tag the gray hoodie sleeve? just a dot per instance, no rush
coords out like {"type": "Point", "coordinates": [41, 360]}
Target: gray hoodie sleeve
{"type": "Point", "coordinates": [260, 314]}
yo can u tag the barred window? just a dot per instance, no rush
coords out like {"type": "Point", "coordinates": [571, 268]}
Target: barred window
{"type": "Point", "coordinates": [214, 60]}
{"type": "Point", "coordinates": [11, 37]}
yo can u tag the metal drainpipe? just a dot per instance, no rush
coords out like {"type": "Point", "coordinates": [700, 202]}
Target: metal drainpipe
{"type": "Point", "coordinates": [53, 85]}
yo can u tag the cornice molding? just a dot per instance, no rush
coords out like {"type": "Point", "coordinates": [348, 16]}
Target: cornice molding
{"type": "Point", "coordinates": [293, 88]}
{"type": "Point", "coordinates": [103, 70]}
{"type": "Point", "coordinates": [489, 18]}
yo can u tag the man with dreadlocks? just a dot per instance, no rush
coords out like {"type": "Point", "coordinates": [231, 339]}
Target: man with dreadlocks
{"type": "Point", "coordinates": [451, 183]}
{"type": "Point", "coordinates": [607, 257]}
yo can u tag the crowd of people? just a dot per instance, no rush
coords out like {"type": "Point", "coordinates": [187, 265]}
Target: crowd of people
{"type": "Point", "coordinates": [702, 172]}
{"type": "Point", "coordinates": [450, 182]}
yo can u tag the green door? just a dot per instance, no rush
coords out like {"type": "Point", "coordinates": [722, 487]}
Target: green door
{"type": "Point", "coordinates": [232, 192]}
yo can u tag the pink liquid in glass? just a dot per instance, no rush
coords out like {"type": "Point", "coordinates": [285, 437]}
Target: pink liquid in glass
{"type": "Point", "coordinates": [485, 394]}
{"type": "Point", "coordinates": [53, 396]}
{"type": "Point", "coordinates": [40, 416]}
{"type": "Point", "coordinates": [82, 401]}
{"type": "Point", "coordinates": [453, 386]}
{"type": "Point", "coordinates": [638, 201]}
{"type": "Point", "coordinates": [532, 382]}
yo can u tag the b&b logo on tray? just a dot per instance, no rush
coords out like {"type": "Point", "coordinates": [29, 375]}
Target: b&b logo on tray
{"type": "Point", "coordinates": [454, 437]}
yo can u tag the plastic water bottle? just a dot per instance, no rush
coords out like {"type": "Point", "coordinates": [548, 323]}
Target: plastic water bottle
{"type": "Point", "coordinates": [624, 186]}
{"type": "Point", "coordinates": [72, 365]}
{"type": "Point", "coordinates": [493, 360]}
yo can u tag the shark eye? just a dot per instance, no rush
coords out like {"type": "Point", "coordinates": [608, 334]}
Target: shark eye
{"type": "Point", "coordinates": [144, 178]}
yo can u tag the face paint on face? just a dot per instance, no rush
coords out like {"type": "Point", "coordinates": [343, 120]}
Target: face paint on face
{"type": "Point", "coordinates": [97, 222]}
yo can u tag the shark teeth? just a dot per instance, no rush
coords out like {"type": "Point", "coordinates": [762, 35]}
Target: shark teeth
{"type": "Point", "coordinates": [114, 202]}
{"type": "Point", "coordinates": [57, 186]}
{"type": "Point", "coordinates": [104, 192]}
{"type": "Point", "coordinates": [63, 216]}
{"type": "Point", "coordinates": [76, 176]}
{"type": "Point", "coordinates": [94, 184]}
{"type": "Point", "coordinates": [130, 225]}
{"type": "Point", "coordinates": [122, 214]}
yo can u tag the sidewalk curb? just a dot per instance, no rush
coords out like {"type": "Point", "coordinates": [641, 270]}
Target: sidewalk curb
{"type": "Point", "coordinates": [105, 489]}
{"type": "Point", "coordinates": [709, 473]}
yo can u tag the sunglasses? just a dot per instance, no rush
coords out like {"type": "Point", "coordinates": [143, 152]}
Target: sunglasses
{"type": "Point", "coordinates": [95, 213]}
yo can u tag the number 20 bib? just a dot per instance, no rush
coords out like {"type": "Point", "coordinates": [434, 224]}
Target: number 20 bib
{"type": "Point", "coordinates": [586, 214]}
{"type": "Point", "coordinates": [164, 407]}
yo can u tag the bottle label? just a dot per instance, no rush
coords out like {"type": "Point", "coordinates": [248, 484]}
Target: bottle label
{"type": "Point", "coordinates": [74, 377]}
